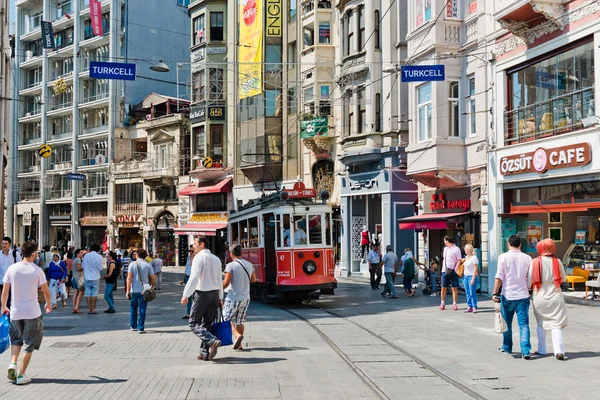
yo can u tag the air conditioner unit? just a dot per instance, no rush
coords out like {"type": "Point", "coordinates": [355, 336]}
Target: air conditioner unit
{"type": "Point", "coordinates": [28, 55]}
{"type": "Point", "coordinates": [68, 193]}
{"type": "Point", "coordinates": [28, 114]}
{"type": "Point", "coordinates": [93, 192]}
{"type": "Point", "coordinates": [36, 168]}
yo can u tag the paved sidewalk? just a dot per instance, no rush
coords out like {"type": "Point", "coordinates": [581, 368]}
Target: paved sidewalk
{"type": "Point", "coordinates": [97, 357]}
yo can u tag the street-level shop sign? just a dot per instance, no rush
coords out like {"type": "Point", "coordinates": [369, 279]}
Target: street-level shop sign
{"type": "Point", "coordinates": [423, 73]}
{"type": "Point", "coordinates": [198, 114]}
{"type": "Point", "coordinates": [439, 202]}
{"type": "Point", "coordinates": [216, 112]}
{"type": "Point", "coordinates": [111, 70]}
{"type": "Point", "coordinates": [542, 160]}
{"type": "Point", "coordinates": [314, 127]}
{"type": "Point", "coordinates": [367, 184]}
{"type": "Point", "coordinates": [209, 218]}
{"type": "Point", "coordinates": [128, 218]}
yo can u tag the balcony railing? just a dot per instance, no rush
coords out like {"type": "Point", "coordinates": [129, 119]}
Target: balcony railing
{"type": "Point", "coordinates": [29, 195]}
{"type": "Point", "coordinates": [25, 140]}
{"type": "Point", "coordinates": [551, 117]}
{"type": "Point", "coordinates": [95, 97]}
{"type": "Point", "coordinates": [129, 209]}
{"type": "Point", "coordinates": [60, 194]}
{"type": "Point", "coordinates": [97, 191]}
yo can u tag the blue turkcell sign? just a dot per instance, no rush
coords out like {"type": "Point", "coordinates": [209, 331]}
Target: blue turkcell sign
{"type": "Point", "coordinates": [110, 70]}
{"type": "Point", "coordinates": [423, 73]}
{"type": "Point", "coordinates": [73, 176]}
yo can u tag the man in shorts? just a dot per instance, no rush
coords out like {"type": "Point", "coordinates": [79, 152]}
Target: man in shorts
{"type": "Point", "coordinates": [239, 274]}
{"type": "Point", "coordinates": [452, 255]}
{"type": "Point", "coordinates": [26, 328]}
{"type": "Point", "coordinates": [92, 267]}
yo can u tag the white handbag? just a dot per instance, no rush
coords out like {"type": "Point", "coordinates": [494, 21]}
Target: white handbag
{"type": "Point", "coordinates": [499, 322]}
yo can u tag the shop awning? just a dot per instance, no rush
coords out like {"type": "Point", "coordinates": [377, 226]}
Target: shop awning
{"type": "Point", "coordinates": [199, 229]}
{"type": "Point", "coordinates": [193, 188]}
{"type": "Point", "coordinates": [429, 221]}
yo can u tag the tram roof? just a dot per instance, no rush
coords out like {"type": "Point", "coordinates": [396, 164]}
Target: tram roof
{"type": "Point", "coordinates": [275, 204]}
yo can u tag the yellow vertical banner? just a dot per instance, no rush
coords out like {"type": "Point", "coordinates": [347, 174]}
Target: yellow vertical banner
{"type": "Point", "coordinates": [250, 48]}
{"type": "Point", "coordinates": [274, 17]}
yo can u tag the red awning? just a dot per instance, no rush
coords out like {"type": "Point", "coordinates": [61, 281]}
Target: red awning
{"type": "Point", "coordinates": [429, 221]}
{"type": "Point", "coordinates": [193, 188]}
{"type": "Point", "coordinates": [199, 229]}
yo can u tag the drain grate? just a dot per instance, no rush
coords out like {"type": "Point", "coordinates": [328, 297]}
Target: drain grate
{"type": "Point", "coordinates": [58, 328]}
{"type": "Point", "coordinates": [72, 345]}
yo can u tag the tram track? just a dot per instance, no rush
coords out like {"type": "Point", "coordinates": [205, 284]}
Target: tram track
{"type": "Point", "coordinates": [358, 371]}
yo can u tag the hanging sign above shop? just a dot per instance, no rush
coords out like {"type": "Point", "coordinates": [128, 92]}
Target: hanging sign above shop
{"type": "Point", "coordinates": [542, 160]}
{"type": "Point", "coordinates": [314, 127]}
{"type": "Point", "coordinates": [274, 16]}
{"type": "Point", "coordinates": [423, 73]}
{"type": "Point", "coordinates": [439, 202]}
{"type": "Point", "coordinates": [197, 114]}
{"type": "Point", "coordinates": [367, 184]}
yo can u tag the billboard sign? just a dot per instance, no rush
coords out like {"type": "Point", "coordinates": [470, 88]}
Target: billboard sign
{"type": "Point", "coordinates": [250, 48]}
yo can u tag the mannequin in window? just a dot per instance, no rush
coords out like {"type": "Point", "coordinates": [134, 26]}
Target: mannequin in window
{"type": "Point", "coordinates": [364, 241]}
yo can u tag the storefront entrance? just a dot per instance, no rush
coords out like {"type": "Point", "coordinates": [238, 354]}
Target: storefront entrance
{"type": "Point", "coordinates": [164, 236]}
{"type": "Point", "coordinates": [130, 238]}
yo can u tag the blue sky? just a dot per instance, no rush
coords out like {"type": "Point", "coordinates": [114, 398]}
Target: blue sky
{"type": "Point", "coordinates": [11, 14]}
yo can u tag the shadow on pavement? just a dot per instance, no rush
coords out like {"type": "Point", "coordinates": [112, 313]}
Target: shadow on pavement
{"type": "Point", "coordinates": [233, 360]}
{"type": "Point", "coordinates": [278, 349]}
{"type": "Point", "coordinates": [78, 381]}
{"type": "Point", "coordinates": [581, 354]}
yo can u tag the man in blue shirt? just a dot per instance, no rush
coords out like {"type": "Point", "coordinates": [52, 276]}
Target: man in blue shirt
{"type": "Point", "coordinates": [374, 261]}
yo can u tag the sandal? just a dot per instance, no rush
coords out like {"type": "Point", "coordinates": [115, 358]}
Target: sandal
{"type": "Point", "coordinates": [77, 312]}
{"type": "Point", "coordinates": [238, 342]}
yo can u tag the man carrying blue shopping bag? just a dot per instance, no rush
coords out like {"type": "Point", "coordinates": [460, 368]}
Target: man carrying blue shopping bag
{"type": "Point", "coordinates": [26, 328]}
{"type": "Point", "coordinates": [206, 286]}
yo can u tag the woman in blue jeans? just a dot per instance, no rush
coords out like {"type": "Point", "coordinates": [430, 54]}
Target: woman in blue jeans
{"type": "Point", "coordinates": [112, 274]}
{"type": "Point", "coordinates": [471, 265]}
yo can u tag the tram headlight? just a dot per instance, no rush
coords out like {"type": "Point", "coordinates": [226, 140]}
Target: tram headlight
{"type": "Point", "coordinates": [309, 267]}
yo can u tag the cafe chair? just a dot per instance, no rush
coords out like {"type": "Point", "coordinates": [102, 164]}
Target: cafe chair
{"type": "Point", "coordinates": [579, 276]}
{"type": "Point", "coordinates": [594, 285]}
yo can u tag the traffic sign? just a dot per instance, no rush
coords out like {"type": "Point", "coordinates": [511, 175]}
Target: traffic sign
{"type": "Point", "coordinates": [74, 176]}
{"type": "Point", "coordinates": [423, 73]}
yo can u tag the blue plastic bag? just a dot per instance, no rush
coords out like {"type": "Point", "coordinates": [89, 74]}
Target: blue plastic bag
{"type": "Point", "coordinates": [222, 330]}
{"type": "Point", "coordinates": [4, 333]}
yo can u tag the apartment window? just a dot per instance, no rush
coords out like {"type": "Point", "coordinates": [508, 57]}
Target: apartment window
{"type": "Point", "coordinates": [216, 143]}
{"type": "Point", "coordinates": [183, 3]}
{"type": "Point", "coordinates": [424, 111]}
{"type": "Point", "coordinates": [96, 184]}
{"type": "Point", "coordinates": [348, 111]}
{"type": "Point", "coordinates": [199, 34]}
{"type": "Point", "coordinates": [361, 29]}
{"type": "Point", "coordinates": [35, 20]}
{"type": "Point", "coordinates": [216, 83]}
{"type": "Point", "coordinates": [131, 193]}
{"type": "Point", "coordinates": [198, 86]}
{"type": "Point", "coordinates": [308, 7]}
{"type": "Point", "coordinates": [309, 37]}
{"type": "Point", "coordinates": [35, 47]}
{"type": "Point", "coordinates": [61, 125]}
{"type": "Point", "coordinates": [453, 114]}
{"type": "Point", "coordinates": [551, 96]}
{"type": "Point", "coordinates": [378, 112]}
{"type": "Point", "coordinates": [324, 108]}
{"type": "Point", "coordinates": [63, 38]}
{"type": "Point", "coordinates": [198, 133]}
{"type": "Point", "coordinates": [471, 115]}
{"type": "Point", "coordinates": [291, 100]}
{"type": "Point", "coordinates": [291, 54]}
{"type": "Point", "coordinates": [34, 77]}
{"type": "Point", "coordinates": [64, 7]}
{"type": "Point", "coordinates": [324, 4]}
{"type": "Point", "coordinates": [309, 100]}
{"type": "Point", "coordinates": [162, 155]}
{"type": "Point", "coordinates": [362, 109]}
{"type": "Point", "coordinates": [94, 118]}
{"type": "Point", "coordinates": [292, 10]}
{"type": "Point", "coordinates": [376, 34]}
{"type": "Point", "coordinates": [106, 23]}
{"type": "Point", "coordinates": [324, 32]}
{"type": "Point", "coordinates": [216, 26]}
{"type": "Point", "coordinates": [92, 149]}
{"type": "Point", "coordinates": [350, 33]}
{"type": "Point", "coordinates": [61, 155]}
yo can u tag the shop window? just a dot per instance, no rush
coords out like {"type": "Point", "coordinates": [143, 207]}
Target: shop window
{"type": "Point", "coordinates": [199, 34]}
{"type": "Point", "coordinates": [471, 113]}
{"type": "Point", "coordinates": [211, 202]}
{"type": "Point", "coordinates": [216, 27]}
{"type": "Point", "coordinates": [525, 195]}
{"type": "Point", "coordinates": [586, 190]}
{"type": "Point", "coordinates": [551, 96]}
{"type": "Point", "coordinates": [453, 114]}
{"type": "Point", "coordinates": [556, 193]}
{"type": "Point", "coordinates": [315, 229]}
{"type": "Point", "coordinates": [424, 111]}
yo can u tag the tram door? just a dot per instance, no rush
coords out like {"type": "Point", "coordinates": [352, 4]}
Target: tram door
{"type": "Point", "coordinates": [270, 255]}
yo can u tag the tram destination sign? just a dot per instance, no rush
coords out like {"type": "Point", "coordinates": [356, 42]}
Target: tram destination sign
{"type": "Point", "coordinates": [542, 160]}
{"type": "Point", "coordinates": [423, 73]}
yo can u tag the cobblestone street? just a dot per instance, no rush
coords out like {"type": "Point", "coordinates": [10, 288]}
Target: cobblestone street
{"type": "Point", "coordinates": [354, 345]}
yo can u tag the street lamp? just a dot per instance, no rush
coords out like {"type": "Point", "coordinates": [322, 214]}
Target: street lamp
{"type": "Point", "coordinates": [160, 67]}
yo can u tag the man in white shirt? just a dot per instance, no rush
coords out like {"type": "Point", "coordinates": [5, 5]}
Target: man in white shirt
{"type": "Point", "coordinates": [26, 328]}
{"type": "Point", "coordinates": [157, 264]}
{"type": "Point", "coordinates": [374, 262]}
{"type": "Point", "coordinates": [8, 257]}
{"type": "Point", "coordinates": [92, 265]}
{"type": "Point", "coordinates": [207, 287]}
{"type": "Point", "coordinates": [512, 276]}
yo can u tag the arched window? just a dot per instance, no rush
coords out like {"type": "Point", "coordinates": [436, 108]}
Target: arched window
{"type": "Point", "coordinates": [376, 32]}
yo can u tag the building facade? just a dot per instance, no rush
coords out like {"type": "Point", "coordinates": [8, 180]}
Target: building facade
{"type": "Point", "coordinates": [59, 105]}
{"type": "Point", "coordinates": [449, 123]}
{"type": "Point", "coordinates": [6, 86]}
{"type": "Point", "coordinates": [543, 178]}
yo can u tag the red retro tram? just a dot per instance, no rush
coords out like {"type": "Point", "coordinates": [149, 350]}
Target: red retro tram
{"type": "Point", "coordinates": [289, 242]}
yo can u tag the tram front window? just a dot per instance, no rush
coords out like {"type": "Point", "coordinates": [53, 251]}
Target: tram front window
{"type": "Point", "coordinates": [315, 232]}
{"type": "Point", "coordinates": [300, 236]}
{"type": "Point", "coordinates": [286, 232]}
